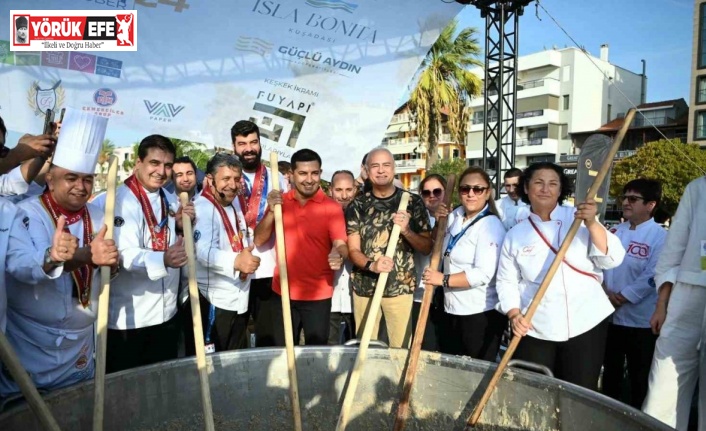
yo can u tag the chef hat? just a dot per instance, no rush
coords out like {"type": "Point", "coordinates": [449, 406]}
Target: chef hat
{"type": "Point", "coordinates": [21, 22]}
{"type": "Point", "coordinates": [80, 141]}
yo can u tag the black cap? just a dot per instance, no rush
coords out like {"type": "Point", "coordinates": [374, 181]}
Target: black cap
{"type": "Point", "coordinates": [21, 22]}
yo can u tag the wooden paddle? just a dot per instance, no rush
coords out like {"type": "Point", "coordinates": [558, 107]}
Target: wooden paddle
{"type": "Point", "coordinates": [413, 358]}
{"type": "Point", "coordinates": [10, 360]}
{"type": "Point", "coordinates": [286, 310]}
{"type": "Point", "coordinates": [104, 302]}
{"type": "Point", "coordinates": [369, 324]}
{"type": "Point", "coordinates": [196, 317]}
{"type": "Point", "coordinates": [475, 416]}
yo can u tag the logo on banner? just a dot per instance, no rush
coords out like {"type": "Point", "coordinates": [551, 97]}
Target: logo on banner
{"type": "Point", "coordinates": [105, 97]}
{"type": "Point", "coordinates": [281, 117]}
{"type": "Point", "coordinates": [333, 4]}
{"type": "Point", "coordinates": [64, 30]}
{"type": "Point", "coordinates": [253, 44]}
{"type": "Point", "coordinates": [314, 25]}
{"type": "Point", "coordinates": [41, 99]}
{"type": "Point", "coordinates": [164, 112]}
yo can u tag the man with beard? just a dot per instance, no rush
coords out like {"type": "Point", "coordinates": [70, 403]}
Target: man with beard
{"type": "Point", "coordinates": [370, 218]}
{"type": "Point", "coordinates": [509, 205]}
{"type": "Point", "coordinates": [343, 190]}
{"type": "Point", "coordinates": [142, 322]}
{"type": "Point", "coordinates": [224, 258]}
{"type": "Point", "coordinates": [256, 184]}
{"type": "Point", "coordinates": [315, 235]}
{"type": "Point", "coordinates": [54, 283]}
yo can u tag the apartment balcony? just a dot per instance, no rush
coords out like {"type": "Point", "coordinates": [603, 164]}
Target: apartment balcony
{"type": "Point", "coordinates": [537, 117]}
{"type": "Point", "coordinates": [400, 118]}
{"type": "Point", "coordinates": [409, 166]}
{"type": "Point", "coordinates": [538, 87]}
{"type": "Point", "coordinates": [528, 147]}
{"type": "Point", "coordinates": [403, 145]}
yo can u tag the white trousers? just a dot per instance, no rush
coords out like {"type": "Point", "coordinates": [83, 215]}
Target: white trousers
{"type": "Point", "coordinates": [677, 363]}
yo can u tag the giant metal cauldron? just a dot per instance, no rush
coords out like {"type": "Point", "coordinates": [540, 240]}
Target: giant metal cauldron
{"type": "Point", "coordinates": [250, 392]}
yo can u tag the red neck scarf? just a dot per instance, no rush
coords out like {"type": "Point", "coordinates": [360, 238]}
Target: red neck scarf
{"type": "Point", "coordinates": [83, 275]}
{"type": "Point", "coordinates": [160, 240]}
{"type": "Point", "coordinates": [235, 238]}
{"type": "Point", "coordinates": [251, 204]}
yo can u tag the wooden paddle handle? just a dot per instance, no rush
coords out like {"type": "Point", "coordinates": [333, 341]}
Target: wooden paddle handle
{"type": "Point", "coordinates": [475, 416]}
{"type": "Point", "coordinates": [369, 324]}
{"type": "Point", "coordinates": [104, 302]}
{"type": "Point", "coordinates": [413, 358]}
{"type": "Point", "coordinates": [12, 362]}
{"type": "Point", "coordinates": [286, 310]}
{"type": "Point", "coordinates": [196, 317]}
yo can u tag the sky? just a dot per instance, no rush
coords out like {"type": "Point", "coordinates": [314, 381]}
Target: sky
{"type": "Point", "coordinates": [658, 31]}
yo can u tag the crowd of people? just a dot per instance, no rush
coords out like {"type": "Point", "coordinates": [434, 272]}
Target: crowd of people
{"type": "Point", "coordinates": [629, 301]}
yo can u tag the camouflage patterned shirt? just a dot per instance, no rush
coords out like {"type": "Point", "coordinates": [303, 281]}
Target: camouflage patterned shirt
{"type": "Point", "coordinates": [371, 218]}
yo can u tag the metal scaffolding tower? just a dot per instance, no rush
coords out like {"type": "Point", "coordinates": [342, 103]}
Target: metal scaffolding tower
{"type": "Point", "coordinates": [500, 85]}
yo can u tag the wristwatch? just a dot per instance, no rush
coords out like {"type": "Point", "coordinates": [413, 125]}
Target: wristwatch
{"type": "Point", "coordinates": [48, 260]}
{"type": "Point", "coordinates": [445, 283]}
{"type": "Point", "coordinates": [368, 265]}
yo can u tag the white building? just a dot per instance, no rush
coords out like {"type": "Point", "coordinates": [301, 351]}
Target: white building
{"type": "Point", "coordinates": [559, 92]}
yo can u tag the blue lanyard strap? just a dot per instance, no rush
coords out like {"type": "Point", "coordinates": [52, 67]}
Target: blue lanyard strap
{"type": "Point", "coordinates": [211, 321]}
{"type": "Point", "coordinates": [456, 238]}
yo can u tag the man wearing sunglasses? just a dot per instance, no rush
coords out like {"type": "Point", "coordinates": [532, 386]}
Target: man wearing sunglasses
{"type": "Point", "coordinates": [509, 204]}
{"type": "Point", "coordinates": [680, 278]}
{"type": "Point", "coordinates": [631, 289]}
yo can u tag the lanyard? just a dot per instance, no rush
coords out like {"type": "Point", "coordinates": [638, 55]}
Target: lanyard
{"type": "Point", "coordinates": [456, 238]}
{"type": "Point", "coordinates": [211, 321]}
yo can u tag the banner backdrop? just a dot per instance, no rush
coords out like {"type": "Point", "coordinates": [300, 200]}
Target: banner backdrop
{"type": "Point", "coordinates": [319, 74]}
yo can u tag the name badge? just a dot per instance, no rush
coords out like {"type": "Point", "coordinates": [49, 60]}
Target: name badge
{"type": "Point", "coordinates": [447, 264]}
{"type": "Point", "coordinates": [210, 348]}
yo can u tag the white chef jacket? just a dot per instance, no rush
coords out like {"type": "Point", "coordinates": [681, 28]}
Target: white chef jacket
{"type": "Point", "coordinates": [685, 245]}
{"type": "Point", "coordinates": [574, 303]}
{"type": "Point", "coordinates": [476, 254]}
{"type": "Point", "coordinates": [634, 278]}
{"type": "Point", "coordinates": [341, 299]}
{"type": "Point", "coordinates": [266, 252]}
{"type": "Point", "coordinates": [13, 183]}
{"type": "Point", "coordinates": [507, 210]}
{"type": "Point", "coordinates": [145, 291]}
{"type": "Point", "coordinates": [217, 278]}
{"type": "Point", "coordinates": [10, 226]}
{"type": "Point", "coordinates": [421, 261]}
{"type": "Point", "coordinates": [47, 326]}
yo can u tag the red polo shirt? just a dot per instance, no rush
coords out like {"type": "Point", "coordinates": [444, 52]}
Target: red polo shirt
{"type": "Point", "coordinates": [309, 232]}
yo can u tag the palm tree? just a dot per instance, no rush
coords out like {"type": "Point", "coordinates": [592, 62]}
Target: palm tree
{"type": "Point", "coordinates": [129, 163]}
{"type": "Point", "coordinates": [444, 81]}
{"type": "Point", "coordinates": [193, 150]}
{"type": "Point", "coordinates": [107, 149]}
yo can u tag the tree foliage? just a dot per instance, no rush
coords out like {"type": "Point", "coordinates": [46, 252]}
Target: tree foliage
{"type": "Point", "coordinates": [660, 160]}
{"type": "Point", "coordinates": [444, 81]}
{"type": "Point", "coordinates": [445, 168]}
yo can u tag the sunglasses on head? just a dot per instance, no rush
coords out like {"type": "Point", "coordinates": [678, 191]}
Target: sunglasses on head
{"type": "Point", "coordinates": [631, 198]}
{"type": "Point", "coordinates": [477, 190]}
{"type": "Point", "coordinates": [436, 192]}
